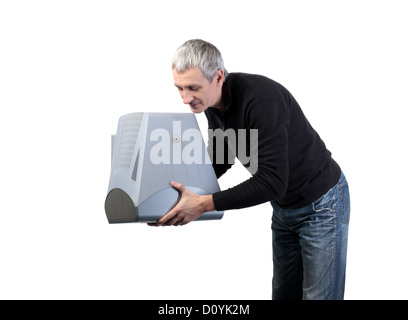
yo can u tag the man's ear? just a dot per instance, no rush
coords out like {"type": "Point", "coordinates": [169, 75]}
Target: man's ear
{"type": "Point", "coordinates": [220, 77]}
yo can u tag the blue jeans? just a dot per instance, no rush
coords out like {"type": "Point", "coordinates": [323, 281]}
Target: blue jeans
{"type": "Point", "coordinates": [310, 247]}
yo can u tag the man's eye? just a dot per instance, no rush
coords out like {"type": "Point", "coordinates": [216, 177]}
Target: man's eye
{"type": "Point", "coordinates": [194, 89]}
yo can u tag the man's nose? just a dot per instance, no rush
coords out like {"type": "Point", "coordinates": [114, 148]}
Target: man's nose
{"type": "Point", "coordinates": [187, 97]}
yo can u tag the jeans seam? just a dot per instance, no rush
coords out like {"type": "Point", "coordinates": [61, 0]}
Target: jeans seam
{"type": "Point", "coordinates": [333, 264]}
{"type": "Point", "coordinates": [343, 203]}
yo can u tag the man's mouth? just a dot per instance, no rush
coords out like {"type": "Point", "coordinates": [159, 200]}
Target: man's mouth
{"type": "Point", "coordinates": [194, 104]}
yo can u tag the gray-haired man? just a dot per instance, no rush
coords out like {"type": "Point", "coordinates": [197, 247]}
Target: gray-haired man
{"type": "Point", "coordinates": [295, 172]}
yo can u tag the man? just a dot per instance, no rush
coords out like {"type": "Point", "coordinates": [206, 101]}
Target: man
{"type": "Point", "coordinates": [295, 172]}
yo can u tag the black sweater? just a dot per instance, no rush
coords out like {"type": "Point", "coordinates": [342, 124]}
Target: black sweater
{"type": "Point", "coordinates": [294, 166]}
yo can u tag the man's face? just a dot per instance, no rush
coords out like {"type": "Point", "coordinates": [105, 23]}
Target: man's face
{"type": "Point", "coordinates": [196, 90]}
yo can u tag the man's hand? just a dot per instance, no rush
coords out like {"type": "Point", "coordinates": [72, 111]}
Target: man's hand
{"type": "Point", "coordinates": [189, 208]}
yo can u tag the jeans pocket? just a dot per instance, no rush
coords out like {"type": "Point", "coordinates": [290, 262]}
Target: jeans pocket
{"type": "Point", "coordinates": [324, 203]}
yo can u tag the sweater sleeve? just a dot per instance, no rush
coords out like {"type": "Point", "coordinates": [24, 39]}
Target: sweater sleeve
{"type": "Point", "coordinates": [270, 179]}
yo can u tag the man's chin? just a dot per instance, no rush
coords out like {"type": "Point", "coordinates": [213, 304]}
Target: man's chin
{"type": "Point", "coordinates": [197, 108]}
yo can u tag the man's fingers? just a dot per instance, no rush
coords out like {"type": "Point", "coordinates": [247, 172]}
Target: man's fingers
{"type": "Point", "coordinates": [167, 216]}
{"type": "Point", "coordinates": [170, 217]}
{"type": "Point", "coordinates": [175, 221]}
{"type": "Point", "coordinates": [178, 186]}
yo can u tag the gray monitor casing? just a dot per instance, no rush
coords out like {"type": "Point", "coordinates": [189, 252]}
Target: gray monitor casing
{"type": "Point", "coordinates": [139, 185]}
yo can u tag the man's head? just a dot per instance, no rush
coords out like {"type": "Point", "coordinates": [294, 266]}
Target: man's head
{"type": "Point", "coordinates": [199, 73]}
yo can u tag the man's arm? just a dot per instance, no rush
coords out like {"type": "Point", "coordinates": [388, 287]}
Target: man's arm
{"type": "Point", "coordinates": [270, 116]}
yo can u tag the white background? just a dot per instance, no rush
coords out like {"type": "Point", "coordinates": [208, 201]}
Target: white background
{"type": "Point", "coordinates": [70, 69]}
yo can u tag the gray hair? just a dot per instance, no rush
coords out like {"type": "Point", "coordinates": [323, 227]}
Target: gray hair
{"type": "Point", "coordinates": [199, 53]}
